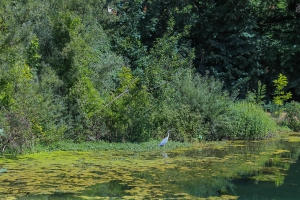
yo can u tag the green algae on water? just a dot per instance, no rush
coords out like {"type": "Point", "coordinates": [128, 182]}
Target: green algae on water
{"type": "Point", "coordinates": [198, 171]}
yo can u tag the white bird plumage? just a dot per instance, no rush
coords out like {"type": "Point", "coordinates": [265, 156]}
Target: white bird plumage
{"type": "Point", "coordinates": [109, 10]}
{"type": "Point", "coordinates": [164, 141]}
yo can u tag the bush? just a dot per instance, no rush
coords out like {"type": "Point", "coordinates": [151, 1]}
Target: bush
{"type": "Point", "coordinates": [33, 114]}
{"type": "Point", "coordinates": [185, 122]}
{"type": "Point", "coordinates": [86, 104]}
{"type": "Point", "coordinates": [249, 121]}
{"type": "Point", "coordinates": [127, 113]}
{"type": "Point", "coordinates": [292, 116]}
{"type": "Point", "coordinates": [195, 107]}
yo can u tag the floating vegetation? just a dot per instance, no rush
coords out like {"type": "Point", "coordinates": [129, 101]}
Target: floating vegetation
{"type": "Point", "coordinates": [280, 151]}
{"type": "Point", "coordinates": [293, 138]}
{"type": "Point", "coordinates": [198, 171]}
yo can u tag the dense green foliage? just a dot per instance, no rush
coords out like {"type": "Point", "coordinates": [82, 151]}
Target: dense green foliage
{"type": "Point", "coordinates": [251, 122]}
{"type": "Point", "coordinates": [280, 96]}
{"type": "Point", "coordinates": [76, 70]}
{"type": "Point", "coordinates": [292, 116]}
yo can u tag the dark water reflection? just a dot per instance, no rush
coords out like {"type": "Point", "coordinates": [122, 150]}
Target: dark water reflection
{"type": "Point", "coordinates": [250, 189]}
{"type": "Point", "coordinates": [225, 170]}
{"type": "Point", "coordinates": [286, 178]}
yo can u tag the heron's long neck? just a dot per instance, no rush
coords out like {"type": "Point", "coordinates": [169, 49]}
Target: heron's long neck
{"type": "Point", "coordinates": [168, 134]}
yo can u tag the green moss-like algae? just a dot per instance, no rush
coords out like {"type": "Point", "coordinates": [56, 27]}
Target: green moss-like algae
{"type": "Point", "coordinates": [200, 171]}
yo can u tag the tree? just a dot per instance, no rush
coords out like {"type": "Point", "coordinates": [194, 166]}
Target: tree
{"type": "Point", "coordinates": [279, 27]}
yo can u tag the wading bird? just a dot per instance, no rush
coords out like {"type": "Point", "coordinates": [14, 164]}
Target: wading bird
{"type": "Point", "coordinates": [165, 140]}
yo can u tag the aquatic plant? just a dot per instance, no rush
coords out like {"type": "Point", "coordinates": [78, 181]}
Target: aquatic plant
{"type": "Point", "coordinates": [196, 172]}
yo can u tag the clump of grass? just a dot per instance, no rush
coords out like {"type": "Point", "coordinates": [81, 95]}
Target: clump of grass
{"type": "Point", "coordinates": [249, 121]}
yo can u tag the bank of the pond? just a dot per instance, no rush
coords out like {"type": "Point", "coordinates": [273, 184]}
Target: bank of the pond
{"type": "Point", "coordinates": [152, 145]}
{"type": "Point", "coordinates": [137, 147]}
{"type": "Point", "coordinates": [104, 146]}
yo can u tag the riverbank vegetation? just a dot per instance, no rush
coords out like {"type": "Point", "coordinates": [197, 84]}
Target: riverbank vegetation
{"type": "Point", "coordinates": [127, 71]}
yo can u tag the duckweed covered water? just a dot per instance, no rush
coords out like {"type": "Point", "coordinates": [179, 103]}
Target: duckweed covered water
{"type": "Point", "coordinates": [225, 170]}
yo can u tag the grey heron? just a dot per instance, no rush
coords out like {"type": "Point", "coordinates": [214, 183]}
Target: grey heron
{"type": "Point", "coordinates": [164, 141]}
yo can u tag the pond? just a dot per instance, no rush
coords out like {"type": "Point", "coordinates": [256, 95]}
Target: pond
{"type": "Point", "coordinates": [219, 170]}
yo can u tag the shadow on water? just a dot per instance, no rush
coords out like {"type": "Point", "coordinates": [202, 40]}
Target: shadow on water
{"type": "Point", "coordinates": [279, 178]}
{"type": "Point", "coordinates": [226, 170]}
{"type": "Point", "coordinates": [113, 189]}
{"type": "Point", "coordinates": [250, 189]}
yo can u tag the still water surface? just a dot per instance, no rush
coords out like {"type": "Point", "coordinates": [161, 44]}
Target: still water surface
{"type": "Point", "coordinates": [229, 170]}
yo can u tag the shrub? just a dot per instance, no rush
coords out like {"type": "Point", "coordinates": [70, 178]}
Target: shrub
{"type": "Point", "coordinates": [185, 122]}
{"type": "Point", "coordinates": [86, 104]}
{"type": "Point", "coordinates": [292, 117]}
{"type": "Point", "coordinates": [127, 113]}
{"type": "Point", "coordinates": [249, 121]}
{"type": "Point", "coordinates": [32, 113]}
{"type": "Point", "coordinates": [280, 96]}
{"type": "Point", "coordinates": [196, 106]}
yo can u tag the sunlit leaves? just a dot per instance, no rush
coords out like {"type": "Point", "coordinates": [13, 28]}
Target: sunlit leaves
{"type": "Point", "coordinates": [86, 96]}
{"type": "Point", "coordinates": [249, 121]}
{"type": "Point", "coordinates": [127, 112]}
{"type": "Point", "coordinates": [33, 56]}
{"type": "Point", "coordinates": [281, 96]}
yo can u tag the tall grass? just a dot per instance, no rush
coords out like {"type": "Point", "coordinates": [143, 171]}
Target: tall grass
{"type": "Point", "coordinates": [250, 121]}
